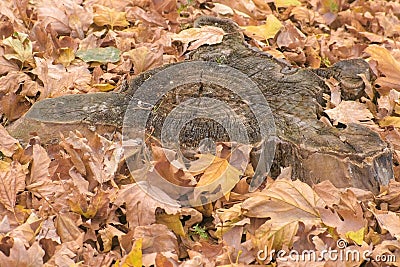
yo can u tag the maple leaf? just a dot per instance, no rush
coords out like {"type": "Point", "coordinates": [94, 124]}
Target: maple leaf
{"type": "Point", "coordinates": [285, 201]}
{"type": "Point", "coordinates": [67, 228]}
{"type": "Point", "coordinates": [22, 47]}
{"type": "Point", "coordinates": [200, 36]}
{"type": "Point", "coordinates": [215, 173]}
{"type": "Point", "coordinates": [136, 199]}
{"type": "Point", "coordinates": [347, 217]}
{"type": "Point", "coordinates": [20, 256]}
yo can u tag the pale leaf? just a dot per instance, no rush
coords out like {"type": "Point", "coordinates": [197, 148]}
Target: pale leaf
{"type": "Point", "coordinates": [200, 36]}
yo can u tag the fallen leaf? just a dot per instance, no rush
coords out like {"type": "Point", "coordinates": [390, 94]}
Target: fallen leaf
{"type": "Point", "coordinates": [66, 227]}
{"type": "Point", "coordinates": [20, 256]}
{"type": "Point", "coordinates": [349, 112]}
{"type": "Point", "coordinates": [265, 31]}
{"type": "Point", "coordinates": [67, 55]}
{"type": "Point", "coordinates": [200, 36]}
{"type": "Point", "coordinates": [287, 3]}
{"type": "Point", "coordinates": [134, 258]}
{"type": "Point", "coordinates": [172, 221]}
{"type": "Point", "coordinates": [285, 201]}
{"type": "Point", "coordinates": [144, 59]}
{"type": "Point", "coordinates": [276, 235]}
{"type": "Point", "coordinates": [12, 181]}
{"type": "Point", "coordinates": [391, 222]}
{"type": "Point", "coordinates": [22, 47]}
{"type": "Point", "coordinates": [387, 64]}
{"type": "Point", "coordinates": [8, 144]}
{"type": "Point", "coordinates": [136, 198]}
{"type": "Point", "coordinates": [101, 55]}
{"type": "Point", "coordinates": [108, 16]}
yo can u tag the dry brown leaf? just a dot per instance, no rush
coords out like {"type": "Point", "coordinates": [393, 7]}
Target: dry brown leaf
{"type": "Point", "coordinates": [391, 195]}
{"type": "Point", "coordinates": [389, 221]}
{"type": "Point", "coordinates": [137, 13]}
{"type": "Point", "coordinates": [8, 144]}
{"type": "Point", "coordinates": [12, 181]}
{"type": "Point", "coordinates": [107, 234]}
{"type": "Point", "coordinates": [285, 201]}
{"type": "Point", "coordinates": [144, 59]}
{"type": "Point", "coordinates": [216, 169]}
{"type": "Point", "coordinates": [349, 112]}
{"type": "Point", "coordinates": [136, 199]}
{"type": "Point", "coordinates": [20, 256]}
{"type": "Point", "coordinates": [275, 235]}
{"type": "Point", "coordinates": [200, 36]}
{"type": "Point", "coordinates": [346, 217]}
{"type": "Point", "coordinates": [40, 165]}
{"type": "Point", "coordinates": [328, 192]}
{"type": "Point", "coordinates": [67, 227]}
{"type": "Point", "coordinates": [156, 238]}
{"type": "Point", "coordinates": [65, 17]}
{"type": "Point", "coordinates": [172, 221]}
{"type": "Point", "coordinates": [387, 64]}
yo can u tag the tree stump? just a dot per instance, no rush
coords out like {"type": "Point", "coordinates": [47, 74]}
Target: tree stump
{"type": "Point", "coordinates": [353, 156]}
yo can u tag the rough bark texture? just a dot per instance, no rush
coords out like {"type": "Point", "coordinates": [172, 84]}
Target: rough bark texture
{"type": "Point", "coordinates": [354, 156]}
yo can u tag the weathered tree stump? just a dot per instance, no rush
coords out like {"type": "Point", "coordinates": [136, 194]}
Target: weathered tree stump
{"type": "Point", "coordinates": [351, 156]}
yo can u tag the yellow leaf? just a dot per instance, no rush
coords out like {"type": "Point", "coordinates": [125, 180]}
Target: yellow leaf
{"type": "Point", "coordinates": [218, 169]}
{"type": "Point", "coordinates": [172, 221]}
{"type": "Point", "coordinates": [265, 31]}
{"type": "Point", "coordinates": [390, 121]}
{"type": "Point", "coordinates": [108, 16]}
{"type": "Point", "coordinates": [287, 3]}
{"type": "Point", "coordinates": [276, 235]}
{"type": "Point", "coordinates": [104, 87]}
{"type": "Point", "coordinates": [22, 46]}
{"type": "Point", "coordinates": [67, 55]}
{"type": "Point", "coordinates": [357, 237]}
{"type": "Point", "coordinates": [134, 258]}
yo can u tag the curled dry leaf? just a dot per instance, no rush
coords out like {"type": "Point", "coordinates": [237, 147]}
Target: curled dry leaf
{"type": "Point", "coordinates": [388, 65]}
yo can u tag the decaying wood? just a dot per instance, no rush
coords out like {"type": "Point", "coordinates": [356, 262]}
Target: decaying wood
{"type": "Point", "coordinates": [351, 156]}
